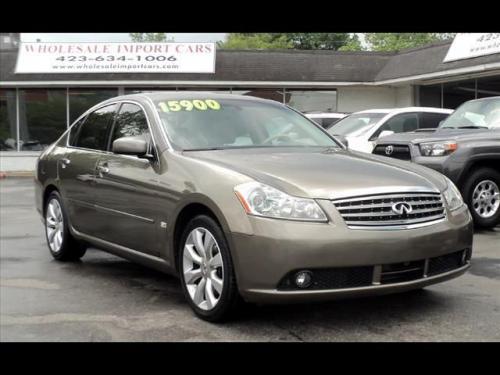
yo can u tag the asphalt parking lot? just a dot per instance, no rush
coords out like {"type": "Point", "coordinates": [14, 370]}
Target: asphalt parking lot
{"type": "Point", "coordinates": [105, 298]}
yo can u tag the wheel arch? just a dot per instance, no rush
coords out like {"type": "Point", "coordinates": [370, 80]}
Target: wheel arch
{"type": "Point", "coordinates": [492, 162]}
{"type": "Point", "coordinates": [46, 192]}
{"type": "Point", "coordinates": [195, 206]}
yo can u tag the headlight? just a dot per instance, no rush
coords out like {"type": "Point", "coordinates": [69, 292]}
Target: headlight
{"type": "Point", "coordinates": [452, 196]}
{"type": "Point", "coordinates": [438, 148]}
{"type": "Point", "coordinates": [263, 200]}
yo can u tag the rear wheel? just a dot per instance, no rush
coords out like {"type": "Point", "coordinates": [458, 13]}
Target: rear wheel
{"type": "Point", "coordinates": [62, 245]}
{"type": "Point", "coordinates": [206, 269]}
{"type": "Point", "coordinates": [482, 193]}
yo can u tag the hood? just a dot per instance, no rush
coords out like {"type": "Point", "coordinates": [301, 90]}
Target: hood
{"type": "Point", "coordinates": [324, 174]}
{"type": "Point", "coordinates": [439, 135]}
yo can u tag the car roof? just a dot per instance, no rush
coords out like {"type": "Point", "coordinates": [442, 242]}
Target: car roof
{"type": "Point", "coordinates": [326, 115]}
{"type": "Point", "coordinates": [407, 109]}
{"type": "Point", "coordinates": [159, 95]}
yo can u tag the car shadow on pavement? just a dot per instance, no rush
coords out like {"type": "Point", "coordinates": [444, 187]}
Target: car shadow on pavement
{"type": "Point", "coordinates": [122, 275]}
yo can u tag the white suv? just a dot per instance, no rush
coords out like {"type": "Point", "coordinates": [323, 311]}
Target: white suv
{"type": "Point", "coordinates": [362, 129]}
{"type": "Point", "coordinates": [326, 119]}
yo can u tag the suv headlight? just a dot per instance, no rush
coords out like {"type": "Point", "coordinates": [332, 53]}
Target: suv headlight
{"type": "Point", "coordinates": [438, 148]}
{"type": "Point", "coordinates": [452, 195]}
{"type": "Point", "coordinates": [263, 200]}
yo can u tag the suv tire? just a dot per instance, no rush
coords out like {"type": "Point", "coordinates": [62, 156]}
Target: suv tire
{"type": "Point", "coordinates": [483, 181]}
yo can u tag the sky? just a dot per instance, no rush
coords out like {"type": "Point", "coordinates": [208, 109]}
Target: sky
{"type": "Point", "coordinates": [115, 37]}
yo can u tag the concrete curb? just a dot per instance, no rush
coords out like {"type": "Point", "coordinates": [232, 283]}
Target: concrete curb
{"type": "Point", "coordinates": [17, 174]}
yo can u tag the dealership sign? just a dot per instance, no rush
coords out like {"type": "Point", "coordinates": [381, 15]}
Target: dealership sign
{"type": "Point", "coordinates": [468, 45]}
{"type": "Point", "coordinates": [116, 58]}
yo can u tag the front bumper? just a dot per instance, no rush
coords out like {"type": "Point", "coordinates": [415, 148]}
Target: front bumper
{"type": "Point", "coordinates": [278, 247]}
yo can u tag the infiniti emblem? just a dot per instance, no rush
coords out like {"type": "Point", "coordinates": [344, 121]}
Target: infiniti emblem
{"type": "Point", "coordinates": [389, 150]}
{"type": "Point", "coordinates": [401, 208]}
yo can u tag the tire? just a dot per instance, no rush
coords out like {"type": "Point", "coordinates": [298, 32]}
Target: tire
{"type": "Point", "coordinates": [208, 281]}
{"type": "Point", "coordinates": [62, 245]}
{"type": "Point", "coordinates": [484, 179]}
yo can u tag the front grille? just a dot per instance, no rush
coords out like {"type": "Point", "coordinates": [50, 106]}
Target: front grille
{"type": "Point", "coordinates": [392, 273]}
{"type": "Point", "coordinates": [401, 152]}
{"type": "Point", "coordinates": [400, 272]}
{"type": "Point", "coordinates": [332, 278]}
{"type": "Point", "coordinates": [448, 262]}
{"type": "Point", "coordinates": [381, 210]}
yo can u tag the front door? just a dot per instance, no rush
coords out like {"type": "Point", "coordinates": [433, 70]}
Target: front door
{"type": "Point", "coordinates": [77, 167]}
{"type": "Point", "coordinates": [127, 189]}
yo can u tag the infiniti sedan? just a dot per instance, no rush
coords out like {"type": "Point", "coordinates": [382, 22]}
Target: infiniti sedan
{"type": "Point", "coordinates": [246, 199]}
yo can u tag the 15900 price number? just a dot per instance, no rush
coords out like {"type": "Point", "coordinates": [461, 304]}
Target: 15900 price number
{"type": "Point", "coordinates": [189, 105]}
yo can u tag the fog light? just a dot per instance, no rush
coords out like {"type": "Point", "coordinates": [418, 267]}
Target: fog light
{"type": "Point", "coordinates": [303, 279]}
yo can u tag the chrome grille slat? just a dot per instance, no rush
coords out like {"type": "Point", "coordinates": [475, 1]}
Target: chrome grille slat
{"type": "Point", "coordinates": [390, 213]}
{"type": "Point", "coordinates": [382, 205]}
{"type": "Point", "coordinates": [389, 196]}
{"type": "Point", "coordinates": [376, 211]}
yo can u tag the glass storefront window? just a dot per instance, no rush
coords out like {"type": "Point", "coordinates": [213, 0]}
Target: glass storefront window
{"type": "Point", "coordinates": [488, 86]}
{"type": "Point", "coordinates": [8, 120]}
{"type": "Point", "coordinates": [135, 90]}
{"type": "Point", "coordinates": [312, 100]}
{"type": "Point", "coordinates": [42, 117]}
{"type": "Point", "coordinates": [81, 99]}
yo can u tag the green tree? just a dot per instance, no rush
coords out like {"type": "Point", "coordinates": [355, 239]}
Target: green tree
{"type": "Point", "coordinates": [254, 41]}
{"type": "Point", "coordinates": [399, 41]}
{"type": "Point", "coordinates": [329, 41]}
{"type": "Point", "coordinates": [150, 37]}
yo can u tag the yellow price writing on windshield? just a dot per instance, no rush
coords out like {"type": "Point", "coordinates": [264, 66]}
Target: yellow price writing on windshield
{"type": "Point", "coordinates": [189, 105]}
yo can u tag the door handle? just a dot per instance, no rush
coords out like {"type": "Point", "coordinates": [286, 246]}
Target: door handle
{"type": "Point", "coordinates": [65, 162]}
{"type": "Point", "coordinates": [102, 169]}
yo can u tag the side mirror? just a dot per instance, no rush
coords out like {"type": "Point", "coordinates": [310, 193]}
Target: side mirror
{"type": "Point", "coordinates": [385, 133]}
{"type": "Point", "coordinates": [134, 145]}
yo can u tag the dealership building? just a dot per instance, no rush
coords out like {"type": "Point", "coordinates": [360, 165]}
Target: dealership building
{"type": "Point", "coordinates": [35, 108]}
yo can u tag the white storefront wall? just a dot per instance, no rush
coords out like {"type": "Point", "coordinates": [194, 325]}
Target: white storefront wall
{"type": "Point", "coordinates": [358, 98]}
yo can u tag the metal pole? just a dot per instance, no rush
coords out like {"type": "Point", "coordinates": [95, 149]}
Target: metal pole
{"type": "Point", "coordinates": [442, 95]}
{"type": "Point", "coordinates": [17, 121]}
{"type": "Point", "coordinates": [67, 108]}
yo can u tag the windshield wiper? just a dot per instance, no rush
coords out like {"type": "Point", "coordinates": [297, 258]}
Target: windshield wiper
{"type": "Point", "coordinates": [465, 127]}
{"type": "Point", "coordinates": [204, 149]}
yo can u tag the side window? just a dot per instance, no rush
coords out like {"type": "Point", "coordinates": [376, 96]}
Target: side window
{"type": "Point", "coordinates": [74, 131]}
{"type": "Point", "coordinates": [130, 121]}
{"type": "Point", "coordinates": [94, 131]}
{"type": "Point", "coordinates": [431, 120]}
{"type": "Point", "coordinates": [405, 122]}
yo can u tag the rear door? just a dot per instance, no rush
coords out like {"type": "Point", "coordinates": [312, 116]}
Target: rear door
{"type": "Point", "coordinates": [127, 188]}
{"type": "Point", "coordinates": [77, 167]}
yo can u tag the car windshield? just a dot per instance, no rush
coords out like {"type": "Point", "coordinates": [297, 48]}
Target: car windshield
{"type": "Point", "coordinates": [356, 124]}
{"type": "Point", "coordinates": [475, 114]}
{"type": "Point", "coordinates": [204, 124]}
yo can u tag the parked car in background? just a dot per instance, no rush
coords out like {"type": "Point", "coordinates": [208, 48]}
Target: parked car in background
{"type": "Point", "coordinates": [466, 148]}
{"type": "Point", "coordinates": [326, 119]}
{"type": "Point", "coordinates": [245, 197]}
{"type": "Point", "coordinates": [362, 129]}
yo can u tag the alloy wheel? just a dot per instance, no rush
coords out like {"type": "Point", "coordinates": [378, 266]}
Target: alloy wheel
{"type": "Point", "coordinates": [54, 224]}
{"type": "Point", "coordinates": [203, 269]}
{"type": "Point", "coordinates": [486, 198]}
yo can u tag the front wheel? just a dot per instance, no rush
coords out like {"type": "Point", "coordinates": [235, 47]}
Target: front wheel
{"type": "Point", "coordinates": [482, 194]}
{"type": "Point", "coordinates": [206, 269]}
{"type": "Point", "coordinates": [62, 245]}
